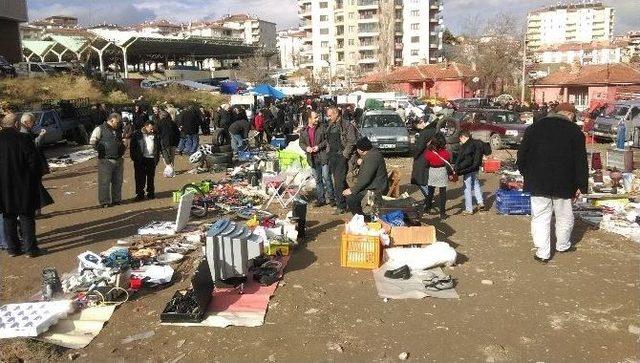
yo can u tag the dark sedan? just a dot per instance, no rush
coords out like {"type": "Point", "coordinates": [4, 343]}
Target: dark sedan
{"type": "Point", "coordinates": [500, 128]}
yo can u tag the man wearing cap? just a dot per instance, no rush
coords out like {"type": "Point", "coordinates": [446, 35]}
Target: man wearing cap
{"type": "Point", "coordinates": [372, 176]}
{"type": "Point", "coordinates": [553, 160]}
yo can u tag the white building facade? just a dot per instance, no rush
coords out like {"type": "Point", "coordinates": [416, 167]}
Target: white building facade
{"type": "Point", "coordinates": [291, 48]}
{"type": "Point", "coordinates": [582, 53]}
{"type": "Point", "coordinates": [581, 23]}
{"type": "Point", "coordinates": [350, 37]}
{"type": "Point", "coordinates": [255, 31]}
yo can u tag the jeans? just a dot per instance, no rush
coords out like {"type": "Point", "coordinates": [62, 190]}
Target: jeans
{"type": "Point", "coordinates": [27, 228]}
{"type": "Point", "coordinates": [188, 144]}
{"type": "Point", "coordinates": [338, 173]}
{"type": "Point", "coordinates": [429, 192]}
{"type": "Point", "coordinates": [472, 189]}
{"type": "Point", "coordinates": [323, 181]}
{"type": "Point", "coordinates": [110, 174]}
{"type": "Point", "coordinates": [237, 143]}
{"type": "Point", "coordinates": [144, 172]}
{"type": "Point", "coordinates": [542, 208]}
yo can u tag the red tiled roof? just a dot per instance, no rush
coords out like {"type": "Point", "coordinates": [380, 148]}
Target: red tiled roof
{"type": "Point", "coordinates": [421, 73]}
{"type": "Point", "coordinates": [622, 74]}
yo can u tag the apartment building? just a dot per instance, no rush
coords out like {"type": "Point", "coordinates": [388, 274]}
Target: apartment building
{"type": "Point", "coordinates": [291, 47]}
{"type": "Point", "coordinates": [582, 22]}
{"type": "Point", "coordinates": [584, 53]}
{"type": "Point", "coordinates": [256, 31]}
{"type": "Point", "coordinates": [214, 29]}
{"type": "Point", "coordinates": [350, 37]}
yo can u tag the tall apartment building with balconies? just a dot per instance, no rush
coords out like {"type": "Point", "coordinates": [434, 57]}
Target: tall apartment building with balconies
{"type": "Point", "coordinates": [349, 37]}
{"type": "Point", "coordinates": [582, 22]}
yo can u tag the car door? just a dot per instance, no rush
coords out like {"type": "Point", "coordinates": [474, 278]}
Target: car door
{"type": "Point", "coordinates": [50, 122]}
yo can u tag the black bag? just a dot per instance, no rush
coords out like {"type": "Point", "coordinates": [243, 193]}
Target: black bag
{"type": "Point", "coordinates": [486, 149]}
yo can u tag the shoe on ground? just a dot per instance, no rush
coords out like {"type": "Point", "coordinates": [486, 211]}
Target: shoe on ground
{"type": "Point", "coordinates": [466, 213]}
{"type": "Point", "coordinates": [139, 198]}
{"type": "Point", "coordinates": [482, 208]}
{"type": "Point", "coordinates": [569, 250]}
{"type": "Point", "coordinates": [36, 253]}
{"type": "Point", "coordinates": [115, 203]}
{"type": "Point", "coordinates": [105, 205]}
{"type": "Point", "coordinates": [402, 272]}
{"type": "Point", "coordinates": [151, 196]}
{"type": "Point", "coordinates": [15, 253]}
{"type": "Point", "coordinates": [541, 260]}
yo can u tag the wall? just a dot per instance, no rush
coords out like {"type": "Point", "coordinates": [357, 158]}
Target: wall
{"type": "Point", "coordinates": [546, 94]}
{"type": "Point", "coordinates": [10, 40]}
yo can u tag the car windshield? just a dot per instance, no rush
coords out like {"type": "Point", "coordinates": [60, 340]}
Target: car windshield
{"type": "Point", "coordinates": [505, 118]}
{"type": "Point", "coordinates": [618, 111]}
{"type": "Point", "coordinates": [382, 121]}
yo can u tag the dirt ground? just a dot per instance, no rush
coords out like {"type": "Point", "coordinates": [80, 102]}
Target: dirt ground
{"type": "Point", "coordinates": [580, 307]}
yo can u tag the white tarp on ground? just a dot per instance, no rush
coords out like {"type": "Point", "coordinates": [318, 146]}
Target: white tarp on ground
{"type": "Point", "coordinates": [73, 158]}
{"type": "Point", "coordinates": [76, 331]}
{"type": "Point", "coordinates": [413, 288]}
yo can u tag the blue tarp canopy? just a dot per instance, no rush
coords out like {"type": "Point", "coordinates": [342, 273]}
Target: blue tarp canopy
{"type": "Point", "coordinates": [267, 90]}
{"type": "Point", "coordinates": [231, 87]}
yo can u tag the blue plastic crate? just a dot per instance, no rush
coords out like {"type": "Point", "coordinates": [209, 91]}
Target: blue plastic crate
{"type": "Point", "coordinates": [513, 202]}
{"type": "Point", "coordinates": [279, 143]}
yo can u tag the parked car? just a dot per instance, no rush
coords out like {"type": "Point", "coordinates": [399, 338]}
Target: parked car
{"type": "Point", "coordinates": [606, 125]}
{"type": "Point", "coordinates": [34, 69]}
{"type": "Point", "coordinates": [6, 69]}
{"type": "Point", "coordinates": [477, 102]}
{"type": "Point", "coordinates": [499, 128]}
{"type": "Point", "coordinates": [386, 131]}
{"type": "Point", "coordinates": [65, 122]}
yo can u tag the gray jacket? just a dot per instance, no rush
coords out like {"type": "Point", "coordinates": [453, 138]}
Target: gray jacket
{"type": "Point", "coordinates": [373, 174]}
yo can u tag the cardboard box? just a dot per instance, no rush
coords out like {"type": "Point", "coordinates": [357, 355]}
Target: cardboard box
{"type": "Point", "coordinates": [405, 236]}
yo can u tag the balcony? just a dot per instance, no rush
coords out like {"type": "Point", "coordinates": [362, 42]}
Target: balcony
{"type": "Point", "coordinates": [368, 45]}
{"type": "Point", "coordinates": [367, 4]}
{"type": "Point", "coordinates": [306, 25]}
{"type": "Point", "coordinates": [436, 6]}
{"type": "Point", "coordinates": [371, 60]}
{"type": "Point", "coordinates": [305, 12]}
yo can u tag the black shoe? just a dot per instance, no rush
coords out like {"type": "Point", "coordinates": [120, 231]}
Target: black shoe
{"type": "Point", "coordinates": [15, 253]}
{"type": "Point", "coordinates": [115, 203]}
{"type": "Point", "coordinates": [400, 273]}
{"type": "Point", "coordinates": [319, 204]}
{"type": "Point", "coordinates": [541, 260]}
{"type": "Point", "coordinates": [106, 205]}
{"type": "Point", "coordinates": [151, 196]}
{"type": "Point", "coordinates": [139, 198]}
{"type": "Point", "coordinates": [37, 252]}
{"type": "Point", "coordinates": [569, 250]}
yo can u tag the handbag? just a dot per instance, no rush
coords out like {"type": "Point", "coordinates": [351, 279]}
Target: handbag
{"type": "Point", "coordinates": [453, 177]}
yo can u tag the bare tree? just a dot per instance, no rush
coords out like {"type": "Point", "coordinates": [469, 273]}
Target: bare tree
{"type": "Point", "coordinates": [494, 49]}
{"type": "Point", "coordinates": [386, 39]}
{"type": "Point", "coordinates": [255, 69]}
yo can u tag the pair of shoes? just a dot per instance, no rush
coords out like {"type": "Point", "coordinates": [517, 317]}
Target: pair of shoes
{"type": "Point", "coordinates": [400, 273]}
{"type": "Point", "coordinates": [541, 260]}
{"type": "Point", "coordinates": [15, 253]}
{"type": "Point", "coordinates": [434, 282]}
{"type": "Point", "coordinates": [106, 205]}
{"type": "Point", "coordinates": [151, 196]}
{"type": "Point", "coordinates": [482, 208]}
{"type": "Point", "coordinates": [37, 252]}
{"type": "Point", "coordinates": [139, 198]}
{"type": "Point", "coordinates": [467, 213]}
{"type": "Point", "coordinates": [569, 250]}
{"type": "Point", "coordinates": [319, 204]}
{"type": "Point", "coordinates": [115, 203]}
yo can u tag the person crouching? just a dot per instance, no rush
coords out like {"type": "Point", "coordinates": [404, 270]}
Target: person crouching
{"type": "Point", "coordinates": [145, 153]}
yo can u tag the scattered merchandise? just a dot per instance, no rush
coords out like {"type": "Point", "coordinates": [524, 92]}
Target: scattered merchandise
{"type": "Point", "coordinates": [31, 319]}
{"type": "Point", "coordinates": [171, 228]}
{"type": "Point", "coordinates": [191, 306]}
{"type": "Point", "coordinates": [411, 288]}
{"type": "Point", "coordinates": [73, 158]}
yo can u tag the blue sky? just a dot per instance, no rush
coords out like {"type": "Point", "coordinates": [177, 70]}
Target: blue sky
{"type": "Point", "coordinates": [284, 12]}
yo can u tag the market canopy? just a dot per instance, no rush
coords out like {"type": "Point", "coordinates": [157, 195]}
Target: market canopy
{"type": "Point", "coordinates": [267, 90]}
{"type": "Point", "coordinates": [39, 48]}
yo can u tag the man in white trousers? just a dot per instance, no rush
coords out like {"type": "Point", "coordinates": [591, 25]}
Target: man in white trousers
{"type": "Point", "coordinates": [553, 160]}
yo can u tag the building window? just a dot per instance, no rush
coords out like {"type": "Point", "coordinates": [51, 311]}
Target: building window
{"type": "Point", "coordinates": [324, 31]}
{"type": "Point", "coordinates": [352, 15]}
{"type": "Point", "coordinates": [324, 5]}
{"type": "Point", "coordinates": [324, 44]}
{"type": "Point", "coordinates": [415, 12]}
{"type": "Point", "coordinates": [415, 52]}
{"type": "Point", "coordinates": [352, 29]}
{"type": "Point", "coordinates": [324, 17]}
{"type": "Point", "coordinates": [351, 42]}
{"type": "Point", "coordinates": [415, 26]}
{"type": "Point", "coordinates": [325, 57]}
{"type": "Point", "coordinates": [415, 39]}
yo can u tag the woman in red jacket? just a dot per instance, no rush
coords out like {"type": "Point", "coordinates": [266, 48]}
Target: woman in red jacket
{"type": "Point", "coordinates": [258, 125]}
{"type": "Point", "coordinates": [438, 159]}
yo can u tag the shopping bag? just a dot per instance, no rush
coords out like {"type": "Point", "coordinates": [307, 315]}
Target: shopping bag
{"type": "Point", "coordinates": [168, 172]}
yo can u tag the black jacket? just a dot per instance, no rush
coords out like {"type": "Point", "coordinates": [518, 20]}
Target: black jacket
{"type": "Point", "coordinates": [135, 148]}
{"type": "Point", "coordinates": [240, 127]}
{"type": "Point", "coordinates": [373, 174]}
{"type": "Point", "coordinates": [469, 157]}
{"type": "Point", "coordinates": [223, 119]}
{"type": "Point", "coordinates": [553, 158]}
{"type": "Point", "coordinates": [190, 121]}
{"type": "Point", "coordinates": [168, 133]}
{"type": "Point", "coordinates": [20, 173]}
{"type": "Point", "coordinates": [420, 171]}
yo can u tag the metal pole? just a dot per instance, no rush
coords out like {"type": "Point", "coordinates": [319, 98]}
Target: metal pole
{"type": "Point", "coordinates": [126, 63]}
{"type": "Point", "coordinates": [524, 68]}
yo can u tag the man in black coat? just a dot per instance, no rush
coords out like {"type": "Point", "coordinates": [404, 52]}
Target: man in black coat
{"type": "Point", "coordinates": [420, 171]}
{"type": "Point", "coordinates": [20, 175]}
{"type": "Point", "coordinates": [468, 165]}
{"type": "Point", "coordinates": [169, 135]}
{"type": "Point", "coordinates": [189, 124]}
{"type": "Point", "coordinates": [553, 160]}
{"type": "Point", "coordinates": [145, 154]}
{"type": "Point", "coordinates": [372, 176]}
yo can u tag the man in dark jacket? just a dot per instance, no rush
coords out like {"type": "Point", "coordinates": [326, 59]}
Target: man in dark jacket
{"type": "Point", "coordinates": [420, 171]}
{"type": "Point", "coordinates": [169, 135]}
{"type": "Point", "coordinates": [239, 131]}
{"type": "Point", "coordinates": [553, 160]}
{"type": "Point", "coordinates": [107, 139]}
{"type": "Point", "coordinates": [189, 125]}
{"type": "Point", "coordinates": [372, 176]}
{"type": "Point", "coordinates": [313, 141]}
{"type": "Point", "coordinates": [341, 137]}
{"type": "Point", "coordinates": [20, 175]}
{"type": "Point", "coordinates": [145, 154]}
{"type": "Point", "coordinates": [468, 165]}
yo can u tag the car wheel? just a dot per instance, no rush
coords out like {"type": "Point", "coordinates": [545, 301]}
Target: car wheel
{"type": "Point", "coordinates": [496, 142]}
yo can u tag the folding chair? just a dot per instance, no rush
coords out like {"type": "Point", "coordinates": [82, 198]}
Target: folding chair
{"type": "Point", "coordinates": [285, 192]}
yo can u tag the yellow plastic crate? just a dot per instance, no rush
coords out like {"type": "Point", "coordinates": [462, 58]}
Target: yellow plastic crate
{"type": "Point", "coordinates": [360, 251]}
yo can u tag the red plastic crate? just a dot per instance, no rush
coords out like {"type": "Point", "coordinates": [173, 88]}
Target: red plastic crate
{"type": "Point", "coordinates": [491, 166]}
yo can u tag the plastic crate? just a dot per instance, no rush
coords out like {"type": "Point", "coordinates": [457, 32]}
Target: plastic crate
{"type": "Point", "coordinates": [279, 142]}
{"type": "Point", "coordinates": [288, 158]}
{"type": "Point", "coordinates": [360, 251]}
{"type": "Point", "coordinates": [513, 202]}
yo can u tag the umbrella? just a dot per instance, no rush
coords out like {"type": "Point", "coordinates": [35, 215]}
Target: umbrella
{"type": "Point", "coordinates": [267, 90]}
